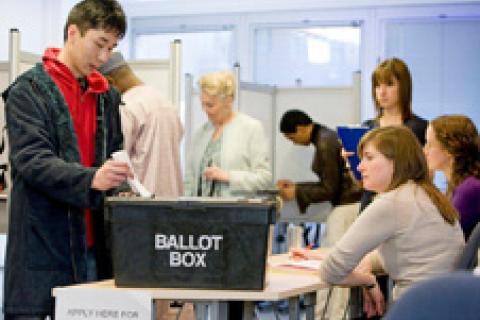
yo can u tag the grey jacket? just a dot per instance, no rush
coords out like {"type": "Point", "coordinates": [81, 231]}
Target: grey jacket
{"type": "Point", "coordinates": [244, 156]}
{"type": "Point", "coordinates": [46, 240]}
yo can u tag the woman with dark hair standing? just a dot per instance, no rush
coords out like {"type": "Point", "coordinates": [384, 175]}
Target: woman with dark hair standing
{"type": "Point", "coordinates": [392, 94]}
{"type": "Point", "coordinates": [453, 148]}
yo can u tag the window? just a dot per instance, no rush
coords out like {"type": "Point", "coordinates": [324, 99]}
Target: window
{"type": "Point", "coordinates": [203, 51]}
{"type": "Point", "coordinates": [442, 55]}
{"type": "Point", "coordinates": [313, 56]}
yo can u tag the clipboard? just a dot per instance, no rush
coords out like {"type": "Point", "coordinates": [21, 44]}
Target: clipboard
{"type": "Point", "coordinates": [350, 136]}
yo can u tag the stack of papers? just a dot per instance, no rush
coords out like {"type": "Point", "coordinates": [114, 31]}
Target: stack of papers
{"type": "Point", "coordinates": [298, 264]}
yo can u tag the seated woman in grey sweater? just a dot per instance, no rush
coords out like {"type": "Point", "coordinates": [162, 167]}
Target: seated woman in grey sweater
{"type": "Point", "coordinates": [410, 230]}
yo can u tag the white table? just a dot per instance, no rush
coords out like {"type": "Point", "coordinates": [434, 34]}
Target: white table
{"type": "Point", "coordinates": [280, 284]}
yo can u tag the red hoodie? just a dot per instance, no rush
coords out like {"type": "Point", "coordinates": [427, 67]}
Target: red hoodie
{"type": "Point", "coordinates": [83, 109]}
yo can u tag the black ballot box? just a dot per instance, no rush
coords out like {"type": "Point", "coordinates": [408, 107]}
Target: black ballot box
{"type": "Point", "coordinates": [197, 243]}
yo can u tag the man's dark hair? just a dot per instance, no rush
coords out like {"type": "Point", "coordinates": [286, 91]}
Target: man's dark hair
{"type": "Point", "coordinates": [97, 14]}
{"type": "Point", "coordinates": [293, 118]}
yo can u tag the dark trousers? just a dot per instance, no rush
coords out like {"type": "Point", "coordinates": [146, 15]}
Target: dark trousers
{"type": "Point", "coordinates": [235, 310]}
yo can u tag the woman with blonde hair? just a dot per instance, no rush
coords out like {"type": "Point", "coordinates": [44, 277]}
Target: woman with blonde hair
{"type": "Point", "coordinates": [229, 153]}
{"type": "Point", "coordinates": [453, 148]}
{"type": "Point", "coordinates": [410, 229]}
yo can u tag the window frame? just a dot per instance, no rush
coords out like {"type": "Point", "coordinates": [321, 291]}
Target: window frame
{"type": "Point", "coordinates": [304, 24]}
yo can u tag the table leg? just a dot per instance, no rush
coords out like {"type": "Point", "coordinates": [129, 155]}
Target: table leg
{"type": "Point", "coordinates": [309, 300]}
{"type": "Point", "coordinates": [200, 309]}
{"type": "Point", "coordinates": [293, 308]}
{"type": "Point", "coordinates": [248, 310]}
{"type": "Point", "coordinates": [218, 310]}
{"type": "Point", "coordinates": [154, 310]}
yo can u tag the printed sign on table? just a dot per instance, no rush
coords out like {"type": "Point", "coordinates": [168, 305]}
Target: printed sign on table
{"type": "Point", "coordinates": [95, 304]}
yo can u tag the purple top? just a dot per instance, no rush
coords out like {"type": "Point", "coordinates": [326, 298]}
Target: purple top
{"type": "Point", "coordinates": [466, 199]}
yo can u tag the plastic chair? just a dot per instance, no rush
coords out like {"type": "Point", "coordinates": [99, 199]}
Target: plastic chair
{"type": "Point", "coordinates": [469, 258]}
{"type": "Point", "coordinates": [451, 296]}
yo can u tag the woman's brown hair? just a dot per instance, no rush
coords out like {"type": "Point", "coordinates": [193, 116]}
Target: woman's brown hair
{"type": "Point", "coordinates": [400, 145]}
{"type": "Point", "coordinates": [459, 137]}
{"type": "Point", "coordinates": [384, 73]}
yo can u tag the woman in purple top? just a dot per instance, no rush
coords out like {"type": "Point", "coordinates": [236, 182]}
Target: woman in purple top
{"type": "Point", "coordinates": [452, 146]}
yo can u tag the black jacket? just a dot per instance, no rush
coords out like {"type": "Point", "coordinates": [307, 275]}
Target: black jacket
{"type": "Point", "coordinates": [46, 240]}
{"type": "Point", "coordinates": [336, 184]}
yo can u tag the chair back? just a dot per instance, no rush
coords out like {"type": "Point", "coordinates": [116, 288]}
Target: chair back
{"type": "Point", "coordinates": [469, 258]}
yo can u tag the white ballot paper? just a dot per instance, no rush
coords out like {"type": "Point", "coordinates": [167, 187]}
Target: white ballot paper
{"type": "Point", "coordinates": [298, 264]}
{"type": "Point", "coordinates": [134, 183]}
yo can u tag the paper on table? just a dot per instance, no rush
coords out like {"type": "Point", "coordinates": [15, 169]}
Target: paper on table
{"type": "Point", "coordinates": [134, 183]}
{"type": "Point", "coordinates": [299, 264]}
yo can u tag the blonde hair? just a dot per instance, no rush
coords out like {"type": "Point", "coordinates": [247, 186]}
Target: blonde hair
{"type": "Point", "coordinates": [400, 145]}
{"type": "Point", "coordinates": [220, 84]}
{"type": "Point", "coordinates": [459, 137]}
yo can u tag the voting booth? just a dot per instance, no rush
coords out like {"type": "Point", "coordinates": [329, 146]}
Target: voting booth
{"type": "Point", "coordinates": [209, 243]}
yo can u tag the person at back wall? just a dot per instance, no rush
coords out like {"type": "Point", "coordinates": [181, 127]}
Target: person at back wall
{"type": "Point", "coordinates": [151, 128]}
{"type": "Point", "coordinates": [229, 153]}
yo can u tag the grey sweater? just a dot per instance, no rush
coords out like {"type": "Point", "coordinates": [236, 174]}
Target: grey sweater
{"type": "Point", "coordinates": [414, 242]}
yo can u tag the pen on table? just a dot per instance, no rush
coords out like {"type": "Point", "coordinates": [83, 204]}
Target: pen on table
{"type": "Point", "coordinates": [302, 256]}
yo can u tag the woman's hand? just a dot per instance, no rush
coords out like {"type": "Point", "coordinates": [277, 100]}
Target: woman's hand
{"type": "Point", "coordinates": [346, 154]}
{"type": "Point", "coordinates": [215, 173]}
{"type": "Point", "coordinates": [306, 254]}
{"type": "Point", "coordinates": [373, 301]}
{"type": "Point", "coordinates": [287, 189]}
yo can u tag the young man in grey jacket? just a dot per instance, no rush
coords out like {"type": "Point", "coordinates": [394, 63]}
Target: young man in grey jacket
{"type": "Point", "coordinates": [63, 123]}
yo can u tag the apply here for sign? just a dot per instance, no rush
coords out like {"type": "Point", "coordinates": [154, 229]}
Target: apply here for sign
{"type": "Point", "coordinates": [94, 304]}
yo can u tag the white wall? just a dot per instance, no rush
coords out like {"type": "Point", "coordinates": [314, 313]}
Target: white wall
{"type": "Point", "coordinates": [175, 7]}
{"type": "Point", "coordinates": [45, 28]}
{"type": "Point", "coordinates": [246, 15]}
{"type": "Point", "coordinates": [30, 17]}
